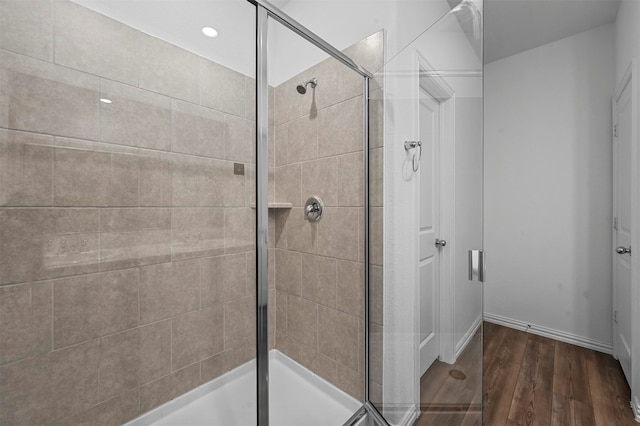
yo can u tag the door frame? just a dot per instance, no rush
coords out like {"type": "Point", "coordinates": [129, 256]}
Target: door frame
{"type": "Point", "coordinates": [432, 82]}
{"type": "Point", "coordinates": [631, 78]}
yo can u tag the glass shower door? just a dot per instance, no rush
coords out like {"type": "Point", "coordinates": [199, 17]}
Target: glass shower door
{"type": "Point", "coordinates": [127, 178]}
{"type": "Point", "coordinates": [425, 299]}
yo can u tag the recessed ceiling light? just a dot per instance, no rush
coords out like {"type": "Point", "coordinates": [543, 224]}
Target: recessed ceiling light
{"type": "Point", "coordinates": [210, 32]}
{"type": "Point", "coordinates": [106, 101]}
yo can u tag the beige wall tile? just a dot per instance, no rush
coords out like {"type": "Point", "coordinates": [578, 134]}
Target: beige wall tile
{"type": "Point", "coordinates": [288, 184]}
{"type": "Point", "coordinates": [376, 336]}
{"type": "Point", "coordinates": [125, 220]}
{"type": "Point", "coordinates": [135, 117]}
{"type": "Point", "coordinates": [225, 361]}
{"type": "Point", "coordinates": [289, 271]}
{"type": "Point", "coordinates": [26, 169]}
{"type": "Point", "coordinates": [197, 232]}
{"type": "Point", "coordinates": [224, 278]}
{"type": "Point", "coordinates": [40, 97]}
{"type": "Point", "coordinates": [196, 335]}
{"type": "Point", "coordinates": [281, 143]}
{"type": "Point", "coordinates": [168, 387]}
{"type": "Point", "coordinates": [168, 69]}
{"type": "Point", "coordinates": [280, 231]}
{"type": "Point", "coordinates": [239, 138]}
{"type": "Point", "coordinates": [319, 279]}
{"type": "Point", "coordinates": [327, 93]}
{"type": "Point", "coordinates": [197, 130]}
{"type": "Point", "coordinates": [368, 53]}
{"type": "Point", "coordinates": [350, 381]}
{"type": "Point", "coordinates": [168, 290]}
{"type": "Point", "coordinates": [376, 176]}
{"type": "Point", "coordinates": [88, 178]}
{"type": "Point", "coordinates": [302, 235]}
{"type": "Point", "coordinates": [239, 322]}
{"type": "Point", "coordinates": [50, 387]}
{"type": "Point", "coordinates": [338, 337]}
{"type": "Point", "coordinates": [376, 119]}
{"type": "Point", "coordinates": [188, 175]}
{"type": "Point", "coordinates": [26, 28]}
{"type": "Point", "coordinates": [88, 41]}
{"type": "Point", "coordinates": [222, 187]}
{"type": "Point", "coordinates": [239, 230]}
{"type": "Point", "coordinates": [288, 103]}
{"type": "Point", "coordinates": [222, 88]}
{"type": "Point", "coordinates": [320, 178]}
{"type": "Point", "coordinates": [340, 128]}
{"type": "Point", "coordinates": [302, 320]}
{"type": "Point", "coordinates": [376, 235]}
{"type": "Point", "coordinates": [350, 288]}
{"type": "Point", "coordinates": [351, 180]}
{"type": "Point", "coordinates": [303, 138]}
{"type": "Point", "coordinates": [156, 185]}
{"type": "Point", "coordinates": [26, 313]}
{"type": "Point", "coordinates": [94, 305]}
{"type": "Point", "coordinates": [134, 357]}
{"type": "Point", "coordinates": [119, 250]}
{"type": "Point", "coordinates": [338, 234]}
{"type": "Point", "coordinates": [250, 100]}
{"type": "Point", "coordinates": [114, 412]}
{"type": "Point", "coordinates": [47, 243]}
{"type": "Point", "coordinates": [281, 311]}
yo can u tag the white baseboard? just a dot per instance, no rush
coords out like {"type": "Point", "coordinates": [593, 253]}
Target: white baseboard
{"type": "Point", "coordinates": [410, 417]}
{"type": "Point", "coordinates": [462, 344]}
{"type": "Point", "coordinates": [635, 405]}
{"type": "Point", "coordinates": [551, 333]}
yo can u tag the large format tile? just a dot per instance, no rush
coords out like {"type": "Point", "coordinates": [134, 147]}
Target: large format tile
{"type": "Point", "coordinates": [288, 184]}
{"type": "Point", "coordinates": [128, 220]}
{"type": "Point", "coordinates": [26, 169]}
{"type": "Point", "coordinates": [239, 138]}
{"type": "Point", "coordinates": [26, 28]}
{"type": "Point", "coordinates": [25, 321]}
{"type": "Point", "coordinates": [197, 232]}
{"type": "Point", "coordinates": [320, 178]}
{"type": "Point", "coordinates": [303, 138]}
{"type": "Point", "coordinates": [41, 97]}
{"type": "Point", "coordinates": [88, 41]}
{"type": "Point", "coordinates": [47, 243]}
{"type": "Point", "coordinates": [197, 130]}
{"type": "Point", "coordinates": [168, 387]}
{"type": "Point", "coordinates": [168, 69]}
{"type": "Point", "coordinates": [351, 180]}
{"type": "Point", "coordinates": [289, 271]}
{"type": "Point", "coordinates": [340, 128]}
{"type": "Point", "coordinates": [134, 357]}
{"type": "Point", "coordinates": [338, 234]}
{"type": "Point", "coordinates": [120, 250]}
{"type": "Point", "coordinates": [319, 275]}
{"type": "Point", "coordinates": [156, 187]}
{"type": "Point", "coordinates": [225, 361]}
{"type": "Point", "coordinates": [224, 278]}
{"type": "Point", "coordinates": [239, 321]}
{"type": "Point", "coordinates": [113, 412]}
{"type": "Point", "coordinates": [168, 290]}
{"type": "Point", "coordinates": [134, 117]}
{"type": "Point", "coordinates": [222, 88]}
{"type": "Point", "coordinates": [302, 320]}
{"type": "Point", "coordinates": [51, 387]}
{"type": "Point", "coordinates": [95, 305]}
{"type": "Point", "coordinates": [197, 335]}
{"type": "Point", "coordinates": [350, 289]}
{"type": "Point", "coordinates": [239, 230]}
{"type": "Point", "coordinates": [338, 337]}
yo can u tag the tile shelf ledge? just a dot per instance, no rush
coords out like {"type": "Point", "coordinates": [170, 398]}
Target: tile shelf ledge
{"type": "Point", "coordinates": [275, 205]}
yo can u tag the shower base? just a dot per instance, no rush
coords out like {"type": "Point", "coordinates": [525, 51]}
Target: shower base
{"type": "Point", "coordinates": [297, 397]}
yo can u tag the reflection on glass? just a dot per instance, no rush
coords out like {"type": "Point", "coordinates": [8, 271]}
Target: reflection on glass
{"type": "Point", "coordinates": [425, 316]}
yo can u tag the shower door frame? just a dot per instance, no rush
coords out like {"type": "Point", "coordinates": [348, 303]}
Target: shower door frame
{"type": "Point", "coordinates": [264, 11]}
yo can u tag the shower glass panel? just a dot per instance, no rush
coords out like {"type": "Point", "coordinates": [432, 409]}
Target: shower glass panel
{"type": "Point", "coordinates": [425, 327]}
{"type": "Point", "coordinates": [316, 245]}
{"type": "Point", "coordinates": [127, 219]}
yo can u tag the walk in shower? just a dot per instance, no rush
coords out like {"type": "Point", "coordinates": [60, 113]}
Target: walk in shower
{"type": "Point", "coordinates": [191, 216]}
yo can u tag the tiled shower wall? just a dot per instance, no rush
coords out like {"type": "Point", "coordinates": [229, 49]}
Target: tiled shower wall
{"type": "Point", "coordinates": [319, 267]}
{"type": "Point", "coordinates": [127, 257]}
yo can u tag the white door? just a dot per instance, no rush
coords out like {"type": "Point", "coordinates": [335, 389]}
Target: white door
{"type": "Point", "coordinates": [429, 265]}
{"type": "Point", "coordinates": [622, 230]}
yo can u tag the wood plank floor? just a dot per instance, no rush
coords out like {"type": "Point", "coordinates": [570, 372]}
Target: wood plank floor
{"type": "Point", "coordinates": [528, 380]}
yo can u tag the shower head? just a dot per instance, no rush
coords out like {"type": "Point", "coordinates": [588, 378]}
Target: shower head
{"type": "Point", "coordinates": [302, 87]}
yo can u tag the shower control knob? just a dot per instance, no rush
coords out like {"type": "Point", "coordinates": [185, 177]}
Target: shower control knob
{"type": "Point", "coordinates": [440, 243]}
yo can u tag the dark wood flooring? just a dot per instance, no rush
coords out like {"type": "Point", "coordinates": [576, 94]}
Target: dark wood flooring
{"type": "Point", "coordinates": [528, 380]}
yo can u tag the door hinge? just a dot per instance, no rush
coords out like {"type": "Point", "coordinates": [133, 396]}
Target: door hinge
{"type": "Point", "coordinates": [615, 223]}
{"type": "Point", "coordinates": [615, 316]}
{"type": "Point", "coordinates": [615, 130]}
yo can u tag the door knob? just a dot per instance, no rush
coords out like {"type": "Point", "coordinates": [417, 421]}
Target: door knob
{"type": "Point", "coordinates": [623, 250]}
{"type": "Point", "coordinates": [440, 243]}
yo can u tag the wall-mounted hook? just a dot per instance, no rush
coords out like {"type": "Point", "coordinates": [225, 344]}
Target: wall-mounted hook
{"type": "Point", "coordinates": [417, 154]}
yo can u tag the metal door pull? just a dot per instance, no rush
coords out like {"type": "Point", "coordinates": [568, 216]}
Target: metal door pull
{"type": "Point", "coordinates": [623, 250]}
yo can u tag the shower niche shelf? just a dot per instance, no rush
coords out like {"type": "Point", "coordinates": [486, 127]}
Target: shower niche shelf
{"type": "Point", "coordinates": [275, 205]}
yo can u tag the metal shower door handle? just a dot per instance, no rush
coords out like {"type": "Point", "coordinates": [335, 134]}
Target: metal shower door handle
{"type": "Point", "coordinates": [440, 243]}
{"type": "Point", "coordinates": [623, 250]}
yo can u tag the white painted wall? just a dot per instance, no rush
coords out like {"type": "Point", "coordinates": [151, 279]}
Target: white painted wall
{"type": "Point", "coordinates": [548, 186]}
{"type": "Point", "coordinates": [628, 48]}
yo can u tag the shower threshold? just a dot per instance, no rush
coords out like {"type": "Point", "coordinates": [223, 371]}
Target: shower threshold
{"type": "Point", "coordinates": [297, 397]}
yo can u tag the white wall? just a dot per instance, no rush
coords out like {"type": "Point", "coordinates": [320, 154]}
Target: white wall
{"type": "Point", "coordinates": [628, 48]}
{"type": "Point", "coordinates": [548, 184]}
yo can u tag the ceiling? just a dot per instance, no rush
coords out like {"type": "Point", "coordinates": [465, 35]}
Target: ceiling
{"type": "Point", "coordinates": [514, 26]}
